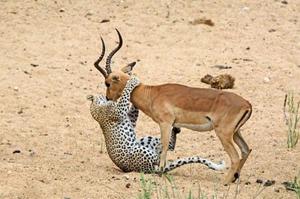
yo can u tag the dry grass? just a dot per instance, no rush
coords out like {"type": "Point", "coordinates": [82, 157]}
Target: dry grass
{"type": "Point", "coordinates": [291, 116]}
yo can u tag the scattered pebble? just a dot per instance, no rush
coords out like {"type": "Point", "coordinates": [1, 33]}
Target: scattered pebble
{"type": "Point", "coordinates": [16, 88]}
{"type": "Point", "coordinates": [248, 48]}
{"type": "Point", "coordinates": [115, 178]}
{"type": "Point", "coordinates": [126, 177]}
{"type": "Point", "coordinates": [222, 67]}
{"type": "Point", "coordinates": [246, 8]}
{"type": "Point", "coordinates": [267, 80]}
{"type": "Point", "coordinates": [265, 183]}
{"type": "Point", "coordinates": [205, 21]}
{"type": "Point", "coordinates": [20, 111]}
{"type": "Point", "coordinates": [34, 65]}
{"type": "Point", "coordinates": [284, 2]}
{"type": "Point", "coordinates": [272, 30]}
{"type": "Point", "coordinates": [31, 152]}
{"type": "Point", "coordinates": [247, 183]}
{"type": "Point", "coordinates": [26, 72]}
{"type": "Point", "coordinates": [62, 10]}
{"type": "Point", "coordinates": [83, 62]}
{"type": "Point", "coordinates": [128, 185]}
{"type": "Point", "coordinates": [16, 151]}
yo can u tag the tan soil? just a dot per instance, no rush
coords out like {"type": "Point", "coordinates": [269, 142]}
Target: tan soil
{"type": "Point", "coordinates": [45, 115]}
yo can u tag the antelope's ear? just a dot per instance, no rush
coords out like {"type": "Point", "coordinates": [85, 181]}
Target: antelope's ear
{"type": "Point", "coordinates": [115, 78]}
{"type": "Point", "coordinates": [127, 69]}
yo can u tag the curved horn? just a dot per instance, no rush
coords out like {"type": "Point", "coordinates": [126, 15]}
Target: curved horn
{"type": "Point", "coordinates": [96, 64]}
{"type": "Point", "coordinates": [108, 60]}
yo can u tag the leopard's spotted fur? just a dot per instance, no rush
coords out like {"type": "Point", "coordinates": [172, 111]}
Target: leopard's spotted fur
{"type": "Point", "coordinates": [117, 121]}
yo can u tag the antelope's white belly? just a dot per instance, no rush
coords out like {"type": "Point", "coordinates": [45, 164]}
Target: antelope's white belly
{"type": "Point", "coordinates": [196, 127]}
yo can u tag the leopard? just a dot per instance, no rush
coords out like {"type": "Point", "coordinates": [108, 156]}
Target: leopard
{"type": "Point", "coordinates": [118, 121]}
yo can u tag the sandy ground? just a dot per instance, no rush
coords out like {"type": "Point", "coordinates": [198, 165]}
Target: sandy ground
{"type": "Point", "coordinates": [46, 70]}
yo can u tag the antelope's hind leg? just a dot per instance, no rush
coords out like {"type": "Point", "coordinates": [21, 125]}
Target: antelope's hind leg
{"type": "Point", "coordinates": [245, 151]}
{"type": "Point", "coordinates": [226, 138]}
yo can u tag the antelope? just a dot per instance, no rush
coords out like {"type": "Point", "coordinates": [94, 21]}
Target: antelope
{"type": "Point", "coordinates": [175, 105]}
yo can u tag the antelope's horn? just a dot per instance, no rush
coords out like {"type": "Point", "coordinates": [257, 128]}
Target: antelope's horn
{"type": "Point", "coordinates": [96, 64]}
{"type": "Point", "coordinates": [109, 57]}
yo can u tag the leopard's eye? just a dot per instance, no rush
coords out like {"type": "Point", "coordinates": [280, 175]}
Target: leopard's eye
{"type": "Point", "coordinates": [107, 84]}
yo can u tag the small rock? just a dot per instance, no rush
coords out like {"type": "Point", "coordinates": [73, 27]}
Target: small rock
{"type": "Point", "coordinates": [128, 185]}
{"type": "Point", "coordinates": [16, 88]}
{"type": "Point", "coordinates": [247, 183]}
{"type": "Point", "coordinates": [269, 183]}
{"type": "Point", "coordinates": [259, 181]}
{"type": "Point", "coordinates": [284, 2]}
{"type": "Point", "coordinates": [272, 30]}
{"type": "Point", "coordinates": [104, 21]}
{"type": "Point", "coordinates": [62, 10]}
{"type": "Point", "coordinates": [248, 48]}
{"type": "Point", "coordinates": [16, 151]}
{"type": "Point", "coordinates": [267, 80]}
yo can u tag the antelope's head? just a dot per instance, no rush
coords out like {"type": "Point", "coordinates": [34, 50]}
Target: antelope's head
{"type": "Point", "coordinates": [115, 81]}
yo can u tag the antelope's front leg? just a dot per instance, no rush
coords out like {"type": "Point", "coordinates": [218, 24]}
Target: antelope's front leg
{"type": "Point", "coordinates": [165, 130]}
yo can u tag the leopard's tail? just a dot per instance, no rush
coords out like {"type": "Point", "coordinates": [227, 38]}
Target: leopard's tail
{"type": "Point", "coordinates": [196, 159]}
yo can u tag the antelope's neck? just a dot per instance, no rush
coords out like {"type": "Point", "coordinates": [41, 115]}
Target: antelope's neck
{"type": "Point", "coordinates": [141, 98]}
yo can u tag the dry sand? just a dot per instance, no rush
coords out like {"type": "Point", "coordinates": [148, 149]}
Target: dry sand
{"type": "Point", "coordinates": [46, 70]}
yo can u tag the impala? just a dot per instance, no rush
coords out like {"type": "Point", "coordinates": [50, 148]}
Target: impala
{"type": "Point", "coordinates": [198, 109]}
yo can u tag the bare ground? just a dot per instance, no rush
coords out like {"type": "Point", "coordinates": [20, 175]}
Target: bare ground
{"type": "Point", "coordinates": [46, 70]}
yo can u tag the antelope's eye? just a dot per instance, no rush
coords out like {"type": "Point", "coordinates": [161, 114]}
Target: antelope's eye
{"type": "Point", "coordinates": [107, 84]}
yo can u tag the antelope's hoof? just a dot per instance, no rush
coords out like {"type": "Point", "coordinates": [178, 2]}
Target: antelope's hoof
{"type": "Point", "coordinates": [236, 176]}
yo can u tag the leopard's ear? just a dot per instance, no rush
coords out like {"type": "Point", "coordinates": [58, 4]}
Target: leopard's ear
{"type": "Point", "coordinates": [128, 69]}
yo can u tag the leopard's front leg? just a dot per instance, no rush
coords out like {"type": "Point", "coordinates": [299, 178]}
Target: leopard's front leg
{"type": "Point", "coordinates": [123, 104]}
